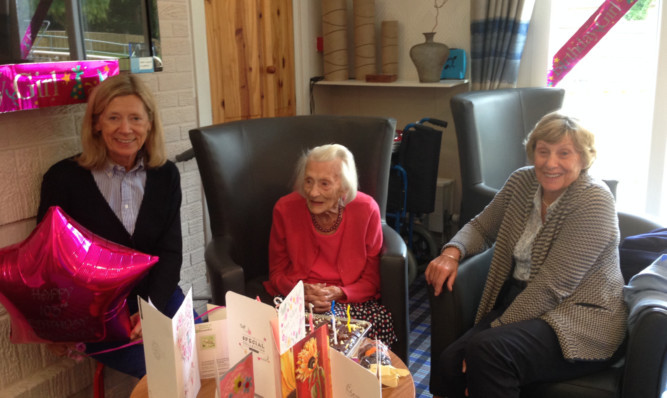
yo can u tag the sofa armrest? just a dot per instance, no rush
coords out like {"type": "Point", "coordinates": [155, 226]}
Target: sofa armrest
{"type": "Point", "coordinates": [646, 356]}
{"type": "Point", "coordinates": [223, 273]}
{"type": "Point", "coordinates": [394, 287]}
{"type": "Point", "coordinates": [452, 313]}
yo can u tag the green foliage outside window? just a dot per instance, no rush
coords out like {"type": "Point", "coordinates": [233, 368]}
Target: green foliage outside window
{"type": "Point", "coordinates": [639, 10]}
{"type": "Point", "coordinates": [118, 16]}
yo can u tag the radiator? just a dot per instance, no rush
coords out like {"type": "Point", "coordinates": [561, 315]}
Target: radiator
{"type": "Point", "coordinates": [440, 220]}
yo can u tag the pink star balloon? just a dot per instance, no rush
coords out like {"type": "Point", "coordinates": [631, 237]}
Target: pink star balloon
{"type": "Point", "coordinates": [65, 284]}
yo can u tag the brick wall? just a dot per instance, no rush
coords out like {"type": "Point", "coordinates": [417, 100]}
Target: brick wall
{"type": "Point", "coordinates": [31, 141]}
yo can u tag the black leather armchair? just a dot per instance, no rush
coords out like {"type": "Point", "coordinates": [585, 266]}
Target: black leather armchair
{"type": "Point", "coordinates": [491, 126]}
{"type": "Point", "coordinates": [640, 374]}
{"type": "Point", "coordinates": [247, 165]}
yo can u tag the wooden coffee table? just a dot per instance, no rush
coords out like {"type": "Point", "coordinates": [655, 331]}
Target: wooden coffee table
{"type": "Point", "coordinates": [404, 389]}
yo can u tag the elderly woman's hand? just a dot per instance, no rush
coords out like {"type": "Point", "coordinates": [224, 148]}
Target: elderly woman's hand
{"type": "Point", "coordinates": [321, 295]}
{"type": "Point", "coordinates": [443, 269]}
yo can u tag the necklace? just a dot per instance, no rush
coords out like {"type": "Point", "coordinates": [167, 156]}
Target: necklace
{"type": "Point", "coordinates": [332, 228]}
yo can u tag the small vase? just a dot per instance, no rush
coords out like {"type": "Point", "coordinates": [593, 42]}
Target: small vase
{"type": "Point", "coordinates": [429, 57]}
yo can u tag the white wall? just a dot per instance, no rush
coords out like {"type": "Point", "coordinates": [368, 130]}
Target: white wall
{"type": "Point", "coordinates": [414, 18]}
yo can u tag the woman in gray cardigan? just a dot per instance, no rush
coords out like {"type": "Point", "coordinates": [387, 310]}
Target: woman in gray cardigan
{"type": "Point", "coordinates": [552, 306]}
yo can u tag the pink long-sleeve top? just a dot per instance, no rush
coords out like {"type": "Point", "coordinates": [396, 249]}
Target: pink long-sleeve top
{"type": "Point", "coordinates": [348, 258]}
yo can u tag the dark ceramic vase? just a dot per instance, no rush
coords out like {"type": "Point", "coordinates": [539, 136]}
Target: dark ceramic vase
{"type": "Point", "coordinates": [429, 57]}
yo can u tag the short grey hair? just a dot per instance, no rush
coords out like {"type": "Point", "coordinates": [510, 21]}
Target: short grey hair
{"type": "Point", "coordinates": [328, 153]}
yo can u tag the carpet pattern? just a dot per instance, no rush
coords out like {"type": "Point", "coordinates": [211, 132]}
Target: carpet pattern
{"type": "Point", "coordinates": [420, 336]}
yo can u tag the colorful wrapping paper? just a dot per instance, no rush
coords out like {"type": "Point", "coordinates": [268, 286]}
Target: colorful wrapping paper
{"type": "Point", "coordinates": [39, 85]}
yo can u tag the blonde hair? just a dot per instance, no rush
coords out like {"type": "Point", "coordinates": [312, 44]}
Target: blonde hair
{"type": "Point", "coordinates": [94, 154]}
{"type": "Point", "coordinates": [327, 153]}
{"type": "Point", "coordinates": [553, 127]}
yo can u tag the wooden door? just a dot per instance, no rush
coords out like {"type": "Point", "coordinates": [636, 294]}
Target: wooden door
{"type": "Point", "coordinates": [251, 58]}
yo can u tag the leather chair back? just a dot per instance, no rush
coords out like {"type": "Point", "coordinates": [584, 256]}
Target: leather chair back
{"type": "Point", "coordinates": [246, 166]}
{"type": "Point", "coordinates": [491, 126]}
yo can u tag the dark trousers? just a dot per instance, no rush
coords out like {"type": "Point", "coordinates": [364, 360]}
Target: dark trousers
{"type": "Point", "coordinates": [131, 359]}
{"type": "Point", "coordinates": [502, 359]}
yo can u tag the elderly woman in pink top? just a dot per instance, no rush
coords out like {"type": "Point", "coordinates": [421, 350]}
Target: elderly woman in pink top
{"type": "Point", "coordinates": [329, 235]}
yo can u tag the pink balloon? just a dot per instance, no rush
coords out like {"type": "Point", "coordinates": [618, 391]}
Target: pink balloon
{"type": "Point", "coordinates": [65, 284]}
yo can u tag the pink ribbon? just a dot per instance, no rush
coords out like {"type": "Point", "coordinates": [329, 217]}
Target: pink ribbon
{"type": "Point", "coordinates": [588, 35]}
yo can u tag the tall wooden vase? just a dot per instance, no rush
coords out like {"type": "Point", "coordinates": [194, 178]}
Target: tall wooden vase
{"type": "Point", "coordinates": [429, 57]}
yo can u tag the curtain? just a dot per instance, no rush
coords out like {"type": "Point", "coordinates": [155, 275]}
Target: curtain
{"type": "Point", "coordinates": [498, 33]}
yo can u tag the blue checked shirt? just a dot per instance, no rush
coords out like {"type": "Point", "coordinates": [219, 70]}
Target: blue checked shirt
{"type": "Point", "coordinates": [123, 190]}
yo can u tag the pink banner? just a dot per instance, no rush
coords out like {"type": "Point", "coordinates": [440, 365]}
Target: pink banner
{"type": "Point", "coordinates": [39, 85]}
{"type": "Point", "coordinates": [587, 37]}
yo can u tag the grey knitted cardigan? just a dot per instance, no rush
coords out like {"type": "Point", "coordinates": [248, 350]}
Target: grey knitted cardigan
{"type": "Point", "coordinates": [575, 282]}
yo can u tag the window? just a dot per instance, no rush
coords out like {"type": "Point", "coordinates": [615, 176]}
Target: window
{"type": "Point", "coordinates": [613, 90]}
{"type": "Point", "coordinates": [62, 30]}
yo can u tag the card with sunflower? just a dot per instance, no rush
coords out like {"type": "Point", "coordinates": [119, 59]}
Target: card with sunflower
{"type": "Point", "coordinates": [312, 366]}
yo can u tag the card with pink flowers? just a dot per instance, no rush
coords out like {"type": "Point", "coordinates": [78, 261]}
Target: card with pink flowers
{"type": "Point", "coordinates": [238, 382]}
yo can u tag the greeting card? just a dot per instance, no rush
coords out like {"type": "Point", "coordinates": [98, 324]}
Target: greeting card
{"type": "Point", "coordinates": [169, 347]}
{"type": "Point", "coordinates": [212, 350]}
{"type": "Point", "coordinates": [291, 313]}
{"type": "Point", "coordinates": [312, 366]}
{"type": "Point", "coordinates": [239, 381]}
{"type": "Point", "coordinates": [249, 331]}
{"type": "Point", "coordinates": [352, 379]}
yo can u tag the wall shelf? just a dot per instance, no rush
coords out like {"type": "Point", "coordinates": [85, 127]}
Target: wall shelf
{"type": "Point", "coordinates": [404, 100]}
{"type": "Point", "coordinates": [396, 84]}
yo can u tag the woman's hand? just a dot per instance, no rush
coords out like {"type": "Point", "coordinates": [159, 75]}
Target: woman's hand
{"type": "Point", "coordinates": [321, 295]}
{"type": "Point", "coordinates": [443, 269]}
{"type": "Point", "coordinates": [75, 351]}
{"type": "Point", "coordinates": [135, 322]}
{"type": "Point", "coordinates": [60, 349]}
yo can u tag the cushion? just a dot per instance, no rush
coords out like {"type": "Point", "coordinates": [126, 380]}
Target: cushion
{"type": "Point", "coordinates": [639, 251]}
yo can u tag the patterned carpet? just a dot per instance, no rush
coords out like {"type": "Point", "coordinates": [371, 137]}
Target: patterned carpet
{"type": "Point", "coordinates": [420, 337]}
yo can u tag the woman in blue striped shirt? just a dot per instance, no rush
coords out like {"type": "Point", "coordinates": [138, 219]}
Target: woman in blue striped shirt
{"type": "Point", "coordinates": [122, 188]}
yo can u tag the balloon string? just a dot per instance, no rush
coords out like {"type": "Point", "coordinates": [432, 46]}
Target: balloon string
{"type": "Point", "coordinates": [207, 312]}
{"type": "Point", "coordinates": [116, 348]}
{"type": "Point", "coordinates": [140, 341]}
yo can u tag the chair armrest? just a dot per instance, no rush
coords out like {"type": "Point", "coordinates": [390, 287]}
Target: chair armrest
{"type": "Point", "coordinates": [646, 356]}
{"type": "Point", "coordinates": [452, 313]}
{"type": "Point", "coordinates": [476, 199]}
{"type": "Point", "coordinates": [394, 287]}
{"type": "Point", "coordinates": [630, 224]}
{"type": "Point", "coordinates": [486, 191]}
{"type": "Point", "coordinates": [223, 273]}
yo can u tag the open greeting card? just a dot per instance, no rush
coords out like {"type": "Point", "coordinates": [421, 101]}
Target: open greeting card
{"type": "Point", "coordinates": [239, 381]}
{"type": "Point", "coordinates": [169, 347]}
{"type": "Point", "coordinates": [351, 379]}
{"type": "Point", "coordinates": [249, 331]}
{"type": "Point", "coordinates": [212, 350]}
